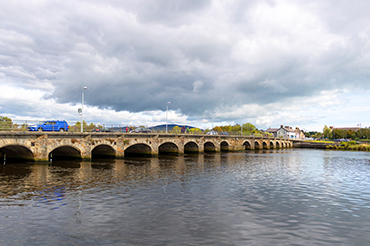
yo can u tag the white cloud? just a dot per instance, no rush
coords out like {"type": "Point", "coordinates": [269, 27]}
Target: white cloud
{"type": "Point", "coordinates": [267, 62]}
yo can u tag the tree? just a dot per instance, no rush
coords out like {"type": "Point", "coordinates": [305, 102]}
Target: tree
{"type": "Point", "coordinates": [249, 127]}
{"type": "Point", "coordinates": [235, 128]}
{"type": "Point", "coordinates": [318, 135]}
{"type": "Point", "coordinates": [217, 129]}
{"type": "Point", "coordinates": [327, 132]}
{"type": "Point", "coordinates": [338, 133]}
{"type": "Point", "coordinates": [24, 127]}
{"type": "Point", "coordinates": [78, 126]}
{"type": "Point", "coordinates": [5, 123]}
{"type": "Point", "coordinates": [176, 129]}
{"type": "Point", "coordinates": [363, 133]}
{"type": "Point", "coordinates": [195, 130]}
{"type": "Point", "coordinates": [90, 127]}
{"type": "Point", "coordinates": [226, 128]}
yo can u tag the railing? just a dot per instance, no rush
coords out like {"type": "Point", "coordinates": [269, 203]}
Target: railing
{"type": "Point", "coordinates": [22, 125]}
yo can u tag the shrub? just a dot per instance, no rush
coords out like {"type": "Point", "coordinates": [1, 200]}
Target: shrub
{"type": "Point", "coordinates": [352, 142]}
{"type": "Point", "coordinates": [195, 131]}
{"type": "Point", "coordinates": [176, 129]}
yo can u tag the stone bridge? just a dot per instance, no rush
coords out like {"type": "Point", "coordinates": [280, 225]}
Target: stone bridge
{"type": "Point", "coordinates": [41, 146]}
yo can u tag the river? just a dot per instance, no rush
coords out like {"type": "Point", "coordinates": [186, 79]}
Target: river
{"type": "Point", "coordinates": [270, 197]}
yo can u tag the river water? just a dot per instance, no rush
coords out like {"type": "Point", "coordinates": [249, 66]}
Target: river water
{"type": "Point", "coordinates": [271, 197]}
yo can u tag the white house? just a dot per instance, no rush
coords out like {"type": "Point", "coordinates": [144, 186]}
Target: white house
{"type": "Point", "coordinates": [286, 132]}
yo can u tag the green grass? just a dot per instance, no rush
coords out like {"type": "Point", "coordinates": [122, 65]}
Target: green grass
{"type": "Point", "coordinates": [319, 141]}
{"type": "Point", "coordinates": [352, 145]}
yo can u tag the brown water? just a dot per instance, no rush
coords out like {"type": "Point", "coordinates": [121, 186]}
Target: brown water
{"type": "Point", "coordinates": [277, 197]}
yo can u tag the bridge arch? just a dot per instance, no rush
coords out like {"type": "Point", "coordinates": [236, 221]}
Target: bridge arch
{"type": "Point", "coordinates": [278, 144]}
{"type": "Point", "coordinates": [168, 148]}
{"type": "Point", "coordinates": [15, 153]}
{"type": "Point", "coordinates": [264, 145]}
{"type": "Point", "coordinates": [272, 145]}
{"type": "Point", "coordinates": [65, 152]}
{"type": "Point", "coordinates": [247, 145]}
{"type": "Point", "coordinates": [103, 151]}
{"type": "Point", "coordinates": [225, 146]}
{"type": "Point", "coordinates": [257, 145]}
{"type": "Point", "coordinates": [138, 149]}
{"type": "Point", "coordinates": [209, 147]}
{"type": "Point", "coordinates": [191, 147]}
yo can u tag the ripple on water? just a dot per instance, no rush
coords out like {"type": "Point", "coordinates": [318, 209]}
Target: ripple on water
{"type": "Point", "coordinates": [282, 197]}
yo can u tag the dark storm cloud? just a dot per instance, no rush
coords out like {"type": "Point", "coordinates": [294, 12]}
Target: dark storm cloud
{"type": "Point", "coordinates": [199, 55]}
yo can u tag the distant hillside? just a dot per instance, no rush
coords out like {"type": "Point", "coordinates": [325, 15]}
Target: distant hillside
{"type": "Point", "coordinates": [169, 127]}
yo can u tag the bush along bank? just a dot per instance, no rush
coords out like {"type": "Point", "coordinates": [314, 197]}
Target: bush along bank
{"type": "Point", "coordinates": [351, 145]}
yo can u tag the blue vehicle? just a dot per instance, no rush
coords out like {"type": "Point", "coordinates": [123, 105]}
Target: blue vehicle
{"type": "Point", "coordinates": [51, 125]}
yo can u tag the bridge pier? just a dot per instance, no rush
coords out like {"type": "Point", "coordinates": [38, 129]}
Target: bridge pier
{"type": "Point", "coordinates": [120, 148]}
{"type": "Point", "coordinates": [39, 147]}
{"type": "Point", "coordinates": [253, 145]}
{"type": "Point", "coordinates": [86, 155]}
{"type": "Point", "coordinates": [201, 148]}
{"type": "Point", "coordinates": [155, 150]}
{"type": "Point", "coordinates": [236, 148]}
{"type": "Point", "coordinates": [120, 154]}
{"type": "Point", "coordinates": [181, 149]}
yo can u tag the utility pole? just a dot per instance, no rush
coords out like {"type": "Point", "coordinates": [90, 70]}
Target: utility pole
{"type": "Point", "coordinates": [82, 109]}
{"type": "Point", "coordinates": [167, 115]}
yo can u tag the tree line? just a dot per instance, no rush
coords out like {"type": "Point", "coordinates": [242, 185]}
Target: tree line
{"type": "Point", "coordinates": [332, 133]}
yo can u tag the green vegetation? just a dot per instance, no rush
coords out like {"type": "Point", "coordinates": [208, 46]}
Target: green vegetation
{"type": "Point", "coordinates": [6, 123]}
{"type": "Point", "coordinates": [247, 129]}
{"type": "Point", "coordinates": [331, 133]}
{"type": "Point", "coordinates": [327, 132]}
{"type": "Point", "coordinates": [176, 130]}
{"type": "Point", "coordinates": [320, 141]}
{"type": "Point", "coordinates": [359, 140]}
{"type": "Point", "coordinates": [195, 131]}
{"type": "Point", "coordinates": [351, 145]}
{"type": "Point", "coordinates": [86, 127]}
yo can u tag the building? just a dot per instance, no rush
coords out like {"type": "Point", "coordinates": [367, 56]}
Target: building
{"type": "Point", "coordinates": [286, 132]}
{"type": "Point", "coordinates": [273, 131]}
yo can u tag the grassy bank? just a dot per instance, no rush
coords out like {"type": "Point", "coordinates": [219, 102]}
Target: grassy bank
{"type": "Point", "coordinates": [352, 145]}
{"type": "Point", "coordinates": [320, 141]}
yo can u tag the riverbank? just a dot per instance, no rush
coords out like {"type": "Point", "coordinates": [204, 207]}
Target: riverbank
{"type": "Point", "coordinates": [313, 145]}
{"type": "Point", "coordinates": [349, 146]}
{"type": "Point", "coordinates": [352, 145]}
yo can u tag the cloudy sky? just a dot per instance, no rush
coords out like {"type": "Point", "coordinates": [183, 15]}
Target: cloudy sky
{"type": "Point", "coordinates": [290, 62]}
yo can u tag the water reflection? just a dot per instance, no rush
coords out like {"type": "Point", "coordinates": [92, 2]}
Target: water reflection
{"type": "Point", "coordinates": [289, 197]}
{"type": "Point", "coordinates": [33, 179]}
